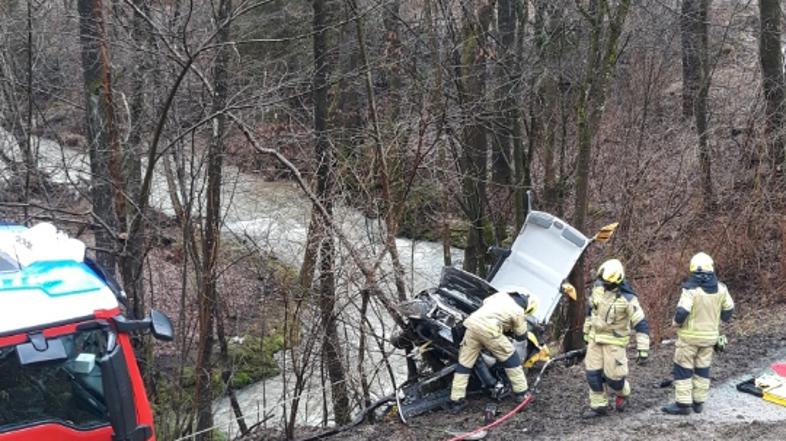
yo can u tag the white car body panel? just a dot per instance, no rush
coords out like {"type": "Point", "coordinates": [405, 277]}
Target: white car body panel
{"type": "Point", "coordinates": [542, 256]}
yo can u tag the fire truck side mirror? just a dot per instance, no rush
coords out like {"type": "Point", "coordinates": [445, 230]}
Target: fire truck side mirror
{"type": "Point", "coordinates": [161, 326]}
{"type": "Point", "coordinates": [157, 323]}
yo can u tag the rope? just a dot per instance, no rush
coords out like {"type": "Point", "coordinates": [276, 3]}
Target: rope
{"type": "Point", "coordinates": [529, 398]}
{"type": "Point", "coordinates": [496, 422]}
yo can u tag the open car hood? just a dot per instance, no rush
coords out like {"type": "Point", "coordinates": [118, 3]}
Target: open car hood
{"type": "Point", "coordinates": [542, 256]}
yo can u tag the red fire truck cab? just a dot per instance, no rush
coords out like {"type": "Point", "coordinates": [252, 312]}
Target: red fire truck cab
{"type": "Point", "coordinates": [67, 366]}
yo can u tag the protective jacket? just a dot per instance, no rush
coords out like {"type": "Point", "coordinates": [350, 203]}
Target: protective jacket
{"type": "Point", "coordinates": [501, 314]}
{"type": "Point", "coordinates": [704, 302]}
{"type": "Point", "coordinates": [611, 315]}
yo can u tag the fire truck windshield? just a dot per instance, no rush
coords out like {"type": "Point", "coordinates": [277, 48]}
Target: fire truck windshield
{"type": "Point", "coordinates": [66, 390]}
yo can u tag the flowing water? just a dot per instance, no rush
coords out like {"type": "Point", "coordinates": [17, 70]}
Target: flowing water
{"type": "Point", "coordinates": [275, 216]}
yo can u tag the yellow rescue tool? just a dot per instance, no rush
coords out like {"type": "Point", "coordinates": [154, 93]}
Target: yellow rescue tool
{"type": "Point", "coordinates": [602, 236]}
{"type": "Point", "coordinates": [606, 232]}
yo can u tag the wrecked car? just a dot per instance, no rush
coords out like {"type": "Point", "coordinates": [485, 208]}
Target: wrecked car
{"type": "Point", "coordinates": [540, 259]}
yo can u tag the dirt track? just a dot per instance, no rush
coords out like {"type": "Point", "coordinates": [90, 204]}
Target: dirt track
{"type": "Point", "coordinates": [754, 343]}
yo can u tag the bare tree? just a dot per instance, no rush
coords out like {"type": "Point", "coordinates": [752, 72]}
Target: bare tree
{"type": "Point", "coordinates": [771, 59]}
{"type": "Point", "coordinates": [548, 98]}
{"type": "Point", "coordinates": [208, 297]}
{"type": "Point", "coordinates": [324, 41]}
{"type": "Point", "coordinates": [605, 19]}
{"type": "Point", "coordinates": [16, 84]}
{"type": "Point", "coordinates": [470, 66]}
{"type": "Point", "coordinates": [691, 38]}
{"type": "Point", "coordinates": [102, 133]}
{"type": "Point", "coordinates": [507, 115]}
{"type": "Point", "coordinates": [133, 253]}
{"type": "Point", "coordinates": [696, 83]}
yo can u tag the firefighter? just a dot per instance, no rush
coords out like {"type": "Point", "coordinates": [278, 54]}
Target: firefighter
{"type": "Point", "coordinates": [704, 302]}
{"type": "Point", "coordinates": [501, 313]}
{"type": "Point", "coordinates": [613, 309]}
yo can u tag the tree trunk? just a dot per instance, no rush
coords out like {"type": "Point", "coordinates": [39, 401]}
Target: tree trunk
{"type": "Point", "coordinates": [601, 60]}
{"type": "Point", "coordinates": [507, 73]}
{"type": "Point", "coordinates": [522, 156]}
{"type": "Point", "coordinates": [548, 92]}
{"type": "Point", "coordinates": [438, 111]}
{"type": "Point", "coordinates": [100, 127]}
{"type": "Point", "coordinates": [506, 97]}
{"type": "Point", "coordinates": [324, 41]}
{"type": "Point", "coordinates": [208, 290]}
{"type": "Point", "coordinates": [393, 56]}
{"type": "Point", "coordinates": [690, 33]}
{"type": "Point", "coordinates": [702, 129]}
{"type": "Point", "coordinates": [27, 146]}
{"type": "Point", "coordinates": [132, 257]}
{"type": "Point", "coordinates": [472, 83]}
{"type": "Point", "coordinates": [392, 211]}
{"type": "Point", "coordinates": [771, 59]}
{"type": "Point", "coordinates": [226, 372]}
{"type": "Point", "coordinates": [311, 251]}
{"type": "Point", "coordinates": [548, 38]}
{"type": "Point", "coordinates": [696, 84]}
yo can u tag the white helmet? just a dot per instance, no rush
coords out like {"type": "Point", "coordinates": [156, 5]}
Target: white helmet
{"type": "Point", "coordinates": [702, 262]}
{"type": "Point", "coordinates": [611, 271]}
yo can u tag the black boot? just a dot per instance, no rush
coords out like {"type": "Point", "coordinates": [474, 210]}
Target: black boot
{"type": "Point", "coordinates": [596, 412]}
{"type": "Point", "coordinates": [455, 407]}
{"type": "Point", "coordinates": [698, 407]}
{"type": "Point", "coordinates": [676, 409]}
{"type": "Point", "coordinates": [519, 397]}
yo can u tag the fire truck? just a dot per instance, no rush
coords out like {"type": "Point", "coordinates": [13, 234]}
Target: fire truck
{"type": "Point", "coordinates": [67, 365]}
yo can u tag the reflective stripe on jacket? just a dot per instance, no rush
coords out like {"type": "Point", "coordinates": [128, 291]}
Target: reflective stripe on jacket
{"type": "Point", "coordinates": [701, 327]}
{"type": "Point", "coordinates": [499, 314]}
{"type": "Point", "coordinates": [613, 313]}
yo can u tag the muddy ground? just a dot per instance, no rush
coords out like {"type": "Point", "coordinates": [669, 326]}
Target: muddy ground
{"type": "Point", "coordinates": [755, 342]}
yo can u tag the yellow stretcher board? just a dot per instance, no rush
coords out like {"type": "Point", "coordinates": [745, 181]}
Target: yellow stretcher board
{"type": "Point", "coordinates": [776, 394]}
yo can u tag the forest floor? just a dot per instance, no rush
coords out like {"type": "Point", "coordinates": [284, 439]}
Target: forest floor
{"type": "Point", "coordinates": [756, 341]}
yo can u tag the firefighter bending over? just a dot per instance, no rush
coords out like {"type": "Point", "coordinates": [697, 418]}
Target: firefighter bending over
{"type": "Point", "coordinates": [703, 304]}
{"type": "Point", "coordinates": [614, 307]}
{"type": "Point", "coordinates": [501, 313]}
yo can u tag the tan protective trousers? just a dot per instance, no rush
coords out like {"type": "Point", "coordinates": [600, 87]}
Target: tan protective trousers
{"type": "Point", "coordinates": [692, 372]}
{"type": "Point", "coordinates": [500, 347]}
{"type": "Point", "coordinates": [606, 365]}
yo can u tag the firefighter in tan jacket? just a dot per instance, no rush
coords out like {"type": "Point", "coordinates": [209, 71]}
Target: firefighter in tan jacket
{"type": "Point", "coordinates": [614, 309]}
{"type": "Point", "coordinates": [704, 302]}
{"type": "Point", "coordinates": [502, 313]}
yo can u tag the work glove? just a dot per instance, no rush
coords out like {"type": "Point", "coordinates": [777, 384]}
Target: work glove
{"type": "Point", "coordinates": [720, 345]}
{"type": "Point", "coordinates": [643, 358]}
{"type": "Point", "coordinates": [568, 290]}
